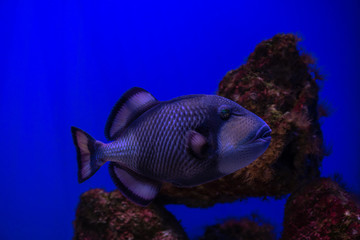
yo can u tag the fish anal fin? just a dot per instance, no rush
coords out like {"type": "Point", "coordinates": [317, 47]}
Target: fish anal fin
{"type": "Point", "coordinates": [134, 186]}
{"type": "Point", "coordinates": [129, 107]}
{"type": "Point", "coordinates": [196, 144]}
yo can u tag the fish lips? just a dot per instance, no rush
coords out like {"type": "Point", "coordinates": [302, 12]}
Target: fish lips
{"type": "Point", "coordinates": [236, 157]}
{"type": "Point", "coordinates": [259, 143]}
{"type": "Point", "coordinates": [263, 135]}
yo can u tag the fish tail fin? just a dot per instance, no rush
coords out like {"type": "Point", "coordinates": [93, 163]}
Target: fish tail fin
{"type": "Point", "coordinates": [86, 148]}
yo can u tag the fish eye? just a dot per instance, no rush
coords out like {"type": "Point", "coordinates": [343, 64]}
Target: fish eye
{"type": "Point", "coordinates": [225, 112]}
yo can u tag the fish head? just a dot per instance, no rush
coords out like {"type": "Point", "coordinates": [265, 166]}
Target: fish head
{"type": "Point", "coordinates": [242, 136]}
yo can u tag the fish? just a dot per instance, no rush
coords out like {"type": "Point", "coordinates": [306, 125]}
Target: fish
{"type": "Point", "coordinates": [187, 141]}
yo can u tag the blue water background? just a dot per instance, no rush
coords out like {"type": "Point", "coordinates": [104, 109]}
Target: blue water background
{"type": "Point", "coordinates": [65, 63]}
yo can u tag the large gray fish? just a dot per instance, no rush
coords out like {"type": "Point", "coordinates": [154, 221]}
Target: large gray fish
{"type": "Point", "coordinates": [186, 141]}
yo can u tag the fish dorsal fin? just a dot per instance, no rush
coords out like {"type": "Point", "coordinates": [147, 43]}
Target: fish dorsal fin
{"type": "Point", "coordinates": [129, 107]}
{"type": "Point", "coordinates": [137, 188]}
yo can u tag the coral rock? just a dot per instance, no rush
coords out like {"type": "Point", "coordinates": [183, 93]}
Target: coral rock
{"type": "Point", "coordinates": [102, 215]}
{"type": "Point", "coordinates": [321, 210]}
{"type": "Point", "coordinates": [244, 229]}
{"type": "Point", "coordinates": [279, 84]}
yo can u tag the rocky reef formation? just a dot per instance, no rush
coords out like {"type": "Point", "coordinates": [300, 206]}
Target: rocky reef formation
{"type": "Point", "coordinates": [110, 216]}
{"type": "Point", "coordinates": [243, 229]}
{"type": "Point", "coordinates": [279, 84]}
{"type": "Point", "coordinates": [321, 210]}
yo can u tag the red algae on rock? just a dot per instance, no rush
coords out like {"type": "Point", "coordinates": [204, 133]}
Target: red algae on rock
{"type": "Point", "coordinates": [279, 84]}
{"type": "Point", "coordinates": [102, 215]}
{"type": "Point", "coordinates": [321, 209]}
{"type": "Point", "coordinates": [243, 229]}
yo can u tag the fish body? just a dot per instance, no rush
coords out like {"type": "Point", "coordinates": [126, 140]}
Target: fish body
{"type": "Point", "coordinates": [187, 141]}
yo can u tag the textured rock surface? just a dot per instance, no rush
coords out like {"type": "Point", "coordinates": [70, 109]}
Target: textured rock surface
{"type": "Point", "coordinates": [102, 215]}
{"type": "Point", "coordinates": [278, 83]}
{"type": "Point", "coordinates": [244, 229]}
{"type": "Point", "coordinates": [321, 210]}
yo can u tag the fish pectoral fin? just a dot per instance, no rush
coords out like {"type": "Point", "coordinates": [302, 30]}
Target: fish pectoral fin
{"type": "Point", "coordinates": [137, 188]}
{"type": "Point", "coordinates": [197, 144]}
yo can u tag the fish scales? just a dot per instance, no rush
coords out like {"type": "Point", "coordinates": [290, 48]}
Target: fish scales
{"type": "Point", "coordinates": [160, 145]}
{"type": "Point", "coordinates": [163, 152]}
{"type": "Point", "coordinates": [170, 139]}
{"type": "Point", "coordinates": [174, 144]}
{"type": "Point", "coordinates": [152, 154]}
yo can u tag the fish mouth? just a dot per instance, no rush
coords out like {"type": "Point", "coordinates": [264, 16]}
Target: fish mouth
{"type": "Point", "coordinates": [263, 134]}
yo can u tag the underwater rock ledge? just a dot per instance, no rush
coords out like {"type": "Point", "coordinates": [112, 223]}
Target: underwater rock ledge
{"type": "Point", "coordinates": [279, 84]}
{"type": "Point", "coordinates": [110, 216]}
